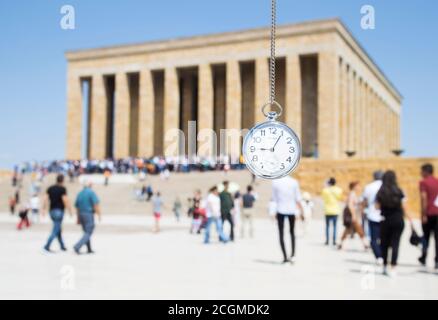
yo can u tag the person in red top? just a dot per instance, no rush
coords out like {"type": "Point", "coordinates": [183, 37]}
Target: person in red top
{"type": "Point", "coordinates": [429, 210]}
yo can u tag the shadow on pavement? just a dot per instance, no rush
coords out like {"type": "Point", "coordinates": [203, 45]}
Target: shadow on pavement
{"type": "Point", "coordinates": [372, 263]}
{"type": "Point", "coordinates": [271, 262]}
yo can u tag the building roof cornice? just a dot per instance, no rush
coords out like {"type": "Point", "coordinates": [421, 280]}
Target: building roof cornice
{"type": "Point", "coordinates": [309, 27]}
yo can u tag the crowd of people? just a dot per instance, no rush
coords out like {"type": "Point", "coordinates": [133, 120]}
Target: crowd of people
{"type": "Point", "coordinates": [55, 203]}
{"type": "Point", "coordinates": [153, 165]}
{"type": "Point", "coordinates": [375, 213]}
{"type": "Point", "coordinates": [378, 214]}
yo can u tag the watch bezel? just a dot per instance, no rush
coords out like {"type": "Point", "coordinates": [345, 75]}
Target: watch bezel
{"type": "Point", "coordinates": [250, 134]}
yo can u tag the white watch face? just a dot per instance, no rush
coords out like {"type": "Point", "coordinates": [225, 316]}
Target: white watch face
{"type": "Point", "coordinates": [271, 150]}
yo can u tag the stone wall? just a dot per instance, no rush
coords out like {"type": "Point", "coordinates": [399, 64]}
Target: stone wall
{"type": "Point", "coordinates": [4, 175]}
{"type": "Point", "coordinates": [312, 174]}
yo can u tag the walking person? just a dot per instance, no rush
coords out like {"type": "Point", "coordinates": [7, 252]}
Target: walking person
{"type": "Point", "coordinates": [373, 214]}
{"type": "Point", "coordinates": [149, 193]}
{"type": "Point", "coordinates": [34, 204]}
{"type": "Point", "coordinates": [107, 176]}
{"type": "Point", "coordinates": [157, 203]}
{"type": "Point", "coordinates": [17, 196]}
{"type": "Point", "coordinates": [57, 201]}
{"type": "Point", "coordinates": [14, 179]}
{"type": "Point", "coordinates": [177, 207]}
{"type": "Point", "coordinates": [248, 200]}
{"type": "Point", "coordinates": [352, 216]}
{"type": "Point", "coordinates": [12, 204]}
{"type": "Point", "coordinates": [196, 212]}
{"type": "Point", "coordinates": [87, 205]}
{"type": "Point", "coordinates": [286, 195]}
{"type": "Point", "coordinates": [429, 210]}
{"type": "Point", "coordinates": [213, 212]}
{"type": "Point", "coordinates": [24, 218]}
{"type": "Point", "coordinates": [237, 210]}
{"type": "Point", "coordinates": [227, 205]}
{"type": "Point", "coordinates": [389, 200]}
{"type": "Point", "coordinates": [331, 196]}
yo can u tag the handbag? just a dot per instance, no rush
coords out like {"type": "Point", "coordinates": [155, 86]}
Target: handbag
{"type": "Point", "coordinates": [415, 239]}
{"type": "Point", "coordinates": [347, 217]}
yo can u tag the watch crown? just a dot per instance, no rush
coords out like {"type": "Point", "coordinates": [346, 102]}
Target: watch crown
{"type": "Point", "coordinates": [272, 115]}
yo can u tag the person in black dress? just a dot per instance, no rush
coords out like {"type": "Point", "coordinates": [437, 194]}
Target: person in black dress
{"type": "Point", "coordinates": [390, 201]}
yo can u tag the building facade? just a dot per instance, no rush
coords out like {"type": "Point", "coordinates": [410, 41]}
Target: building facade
{"type": "Point", "coordinates": [334, 96]}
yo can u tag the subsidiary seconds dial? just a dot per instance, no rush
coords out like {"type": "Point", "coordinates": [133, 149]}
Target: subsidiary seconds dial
{"type": "Point", "coordinates": [271, 150]}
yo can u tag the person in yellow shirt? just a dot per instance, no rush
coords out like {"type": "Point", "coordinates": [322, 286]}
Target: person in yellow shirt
{"type": "Point", "coordinates": [331, 196]}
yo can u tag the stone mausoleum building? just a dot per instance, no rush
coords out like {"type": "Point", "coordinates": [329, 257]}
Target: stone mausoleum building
{"type": "Point", "coordinates": [121, 100]}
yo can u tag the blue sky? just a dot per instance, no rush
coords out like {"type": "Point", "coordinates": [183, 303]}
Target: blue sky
{"type": "Point", "coordinates": [32, 63]}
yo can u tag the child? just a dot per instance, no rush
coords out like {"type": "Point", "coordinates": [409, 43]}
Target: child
{"type": "Point", "coordinates": [177, 206]}
{"type": "Point", "coordinates": [157, 204]}
{"type": "Point", "coordinates": [24, 220]}
{"type": "Point", "coordinates": [107, 176]}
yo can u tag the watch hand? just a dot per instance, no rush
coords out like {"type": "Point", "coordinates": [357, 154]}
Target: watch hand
{"type": "Point", "coordinates": [273, 148]}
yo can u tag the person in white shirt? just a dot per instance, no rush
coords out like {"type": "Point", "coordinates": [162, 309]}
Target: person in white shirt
{"type": "Point", "coordinates": [287, 197]}
{"type": "Point", "coordinates": [213, 206]}
{"type": "Point", "coordinates": [34, 205]}
{"type": "Point", "coordinates": [373, 214]}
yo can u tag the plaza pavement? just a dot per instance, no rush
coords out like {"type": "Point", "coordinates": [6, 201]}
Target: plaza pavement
{"type": "Point", "coordinates": [133, 262]}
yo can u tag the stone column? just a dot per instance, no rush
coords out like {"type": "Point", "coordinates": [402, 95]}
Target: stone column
{"type": "Point", "coordinates": [146, 115]}
{"type": "Point", "coordinates": [398, 130]}
{"type": "Point", "coordinates": [394, 130]}
{"type": "Point", "coordinates": [328, 105]}
{"type": "Point", "coordinates": [363, 120]}
{"type": "Point", "coordinates": [388, 134]}
{"type": "Point", "coordinates": [376, 127]}
{"type": "Point", "coordinates": [233, 107]}
{"type": "Point", "coordinates": [171, 103]}
{"type": "Point", "coordinates": [350, 107]}
{"type": "Point", "coordinates": [74, 117]}
{"type": "Point", "coordinates": [122, 117]}
{"type": "Point", "coordinates": [343, 112]}
{"type": "Point", "coordinates": [395, 144]}
{"type": "Point", "coordinates": [389, 129]}
{"type": "Point", "coordinates": [357, 115]}
{"type": "Point", "coordinates": [369, 128]}
{"type": "Point", "coordinates": [292, 108]}
{"type": "Point", "coordinates": [205, 109]}
{"type": "Point", "coordinates": [385, 130]}
{"type": "Point", "coordinates": [261, 87]}
{"type": "Point", "coordinates": [98, 119]}
{"type": "Point", "coordinates": [186, 102]}
{"type": "Point", "coordinates": [382, 126]}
